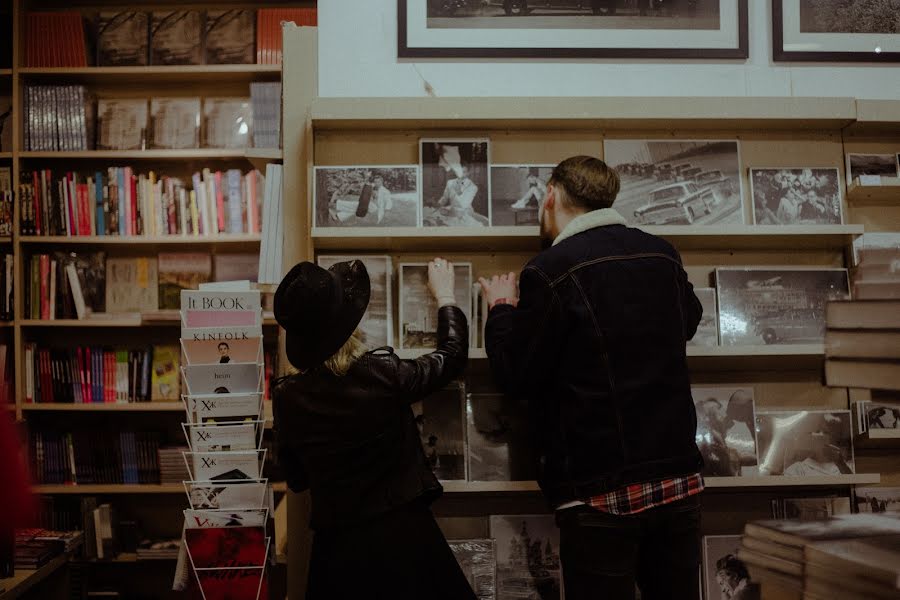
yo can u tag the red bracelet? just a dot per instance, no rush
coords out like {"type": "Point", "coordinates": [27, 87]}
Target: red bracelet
{"type": "Point", "coordinates": [511, 301]}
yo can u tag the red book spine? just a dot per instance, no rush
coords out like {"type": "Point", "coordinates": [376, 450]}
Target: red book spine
{"type": "Point", "coordinates": [132, 181]}
{"type": "Point", "coordinates": [84, 210]}
{"type": "Point", "coordinates": [45, 287]}
{"type": "Point", "coordinates": [110, 377]}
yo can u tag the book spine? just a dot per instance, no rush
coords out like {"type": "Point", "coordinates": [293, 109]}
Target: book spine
{"type": "Point", "coordinates": [45, 288]}
{"type": "Point", "coordinates": [101, 203]}
{"type": "Point", "coordinates": [29, 373]}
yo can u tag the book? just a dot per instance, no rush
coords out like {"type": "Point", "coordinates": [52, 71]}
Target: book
{"type": "Point", "coordinates": [181, 271]}
{"type": "Point", "coordinates": [226, 547]}
{"type": "Point", "coordinates": [219, 518]}
{"type": "Point", "coordinates": [871, 314]}
{"type": "Point", "coordinates": [238, 495]}
{"type": "Point", "coordinates": [132, 284]}
{"type": "Point", "coordinates": [223, 437]}
{"type": "Point", "coordinates": [175, 123]}
{"type": "Point", "coordinates": [226, 466]}
{"type": "Point", "coordinates": [866, 374]}
{"type": "Point", "coordinates": [268, 30]}
{"type": "Point", "coordinates": [265, 99]}
{"type": "Point", "coordinates": [122, 124]}
{"type": "Point", "coordinates": [862, 344]}
{"type": "Point", "coordinates": [875, 560]}
{"type": "Point", "coordinates": [122, 38]}
{"type": "Point", "coordinates": [223, 407]}
{"type": "Point", "coordinates": [54, 39]}
{"type": "Point", "coordinates": [166, 374]}
{"type": "Point", "coordinates": [176, 38]}
{"type": "Point", "coordinates": [229, 37]}
{"type": "Point", "coordinates": [222, 352]}
{"type": "Point", "coordinates": [800, 533]}
{"type": "Point", "coordinates": [231, 378]}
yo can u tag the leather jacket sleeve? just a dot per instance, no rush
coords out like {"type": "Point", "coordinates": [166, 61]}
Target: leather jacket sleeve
{"type": "Point", "coordinates": [425, 375]}
{"type": "Point", "coordinates": [295, 473]}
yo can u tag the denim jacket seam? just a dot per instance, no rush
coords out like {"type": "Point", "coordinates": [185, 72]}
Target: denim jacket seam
{"type": "Point", "coordinates": [617, 257]}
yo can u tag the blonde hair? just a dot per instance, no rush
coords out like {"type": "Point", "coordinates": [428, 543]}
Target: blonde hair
{"type": "Point", "coordinates": [341, 361]}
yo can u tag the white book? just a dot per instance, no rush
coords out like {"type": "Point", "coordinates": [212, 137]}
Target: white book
{"type": "Point", "coordinates": [221, 333]}
{"type": "Point", "coordinates": [209, 518]}
{"type": "Point", "coordinates": [209, 181]}
{"type": "Point", "coordinates": [224, 437]}
{"type": "Point", "coordinates": [279, 223]}
{"type": "Point", "coordinates": [222, 406]}
{"type": "Point", "coordinates": [77, 295]}
{"type": "Point", "coordinates": [231, 378]}
{"type": "Point", "coordinates": [182, 210]}
{"type": "Point", "coordinates": [224, 300]}
{"type": "Point", "coordinates": [234, 495]}
{"type": "Point", "coordinates": [226, 466]}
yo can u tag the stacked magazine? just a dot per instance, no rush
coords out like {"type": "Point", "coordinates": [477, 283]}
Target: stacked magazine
{"type": "Point", "coordinates": [227, 527]}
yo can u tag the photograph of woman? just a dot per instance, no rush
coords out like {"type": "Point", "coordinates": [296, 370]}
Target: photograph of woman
{"type": "Point", "coordinates": [345, 431]}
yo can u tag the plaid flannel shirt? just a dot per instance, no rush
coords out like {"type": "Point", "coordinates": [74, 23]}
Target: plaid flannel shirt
{"type": "Point", "coordinates": [639, 497]}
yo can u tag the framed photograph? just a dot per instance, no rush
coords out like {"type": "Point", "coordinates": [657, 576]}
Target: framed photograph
{"type": "Point", "coordinates": [776, 305]}
{"type": "Point", "coordinates": [498, 445]}
{"type": "Point", "coordinates": [815, 509]}
{"type": "Point", "coordinates": [478, 562]}
{"type": "Point", "coordinates": [517, 193]}
{"type": "Point", "coordinates": [726, 430]}
{"type": "Point", "coordinates": [805, 443]}
{"type": "Point", "coordinates": [882, 415]}
{"type": "Point", "coordinates": [456, 182]}
{"type": "Point", "coordinates": [439, 419]}
{"type": "Point", "coordinates": [522, 572]}
{"type": "Point", "coordinates": [877, 499]}
{"type": "Point", "coordinates": [875, 165]}
{"type": "Point", "coordinates": [572, 29]}
{"type": "Point", "coordinates": [724, 575]}
{"type": "Point", "coordinates": [708, 329]}
{"type": "Point", "coordinates": [377, 325]}
{"type": "Point", "coordinates": [796, 196]}
{"type": "Point", "coordinates": [835, 30]}
{"type": "Point", "coordinates": [367, 196]}
{"type": "Point", "coordinates": [677, 182]}
{"type": "Point", "coordinates": [418, 308]}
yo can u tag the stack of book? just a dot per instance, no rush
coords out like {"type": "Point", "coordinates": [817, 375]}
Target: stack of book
{"type": "Point", "coordinates": [223, 373]}
{"type": "Point", "coordinates": [158, 549]}
{"type": "Point", "coordinates": [120, 201]}
{"type": "Point", "coordinates": [37, 547]}
{"type": "Point", "coordinates": [862, 344]}
{"type": "Point", "coordinates": [58, 118]}
{"type": "Point", "coordinates": [94, 457]}
{"type": "Point", "coordinates": [268, 33]}
{"type": "Point", "coordinates": [266, 101]}
{"type": "Point", "coordinates": [172, 468]}
{"type": "Point", "coordinates": [877, 272]}
{"type": "Point", "coordinates": [859, 569]}
{"type": "Point", "coordinates": [54, 39]}
{"type": "Point", "coordinates": [65, 285]}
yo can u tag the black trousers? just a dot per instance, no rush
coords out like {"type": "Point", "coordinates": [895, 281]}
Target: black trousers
{"type": "Point", "coordinates": [400, 555]}
{"type": "Point", "coordinates": [604, 556]}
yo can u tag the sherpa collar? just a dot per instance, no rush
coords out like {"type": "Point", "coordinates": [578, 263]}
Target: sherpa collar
{"type": "Point", "coordinates": [590, 220]}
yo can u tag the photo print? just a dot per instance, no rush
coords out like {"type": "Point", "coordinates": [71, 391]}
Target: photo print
{"type": "Point", "coordinates": [776, 306]}
{"type": "Point", "coordinates": [418, 308]}
{"type": "Point", "coordinates": [805, 443]}
{"type": "Point", "coordinates": [439, 419]}
{"type": "Point", "coordinates": [725, 576]}
{"type": "Point", "coordinates": [726, 430]}
{"type": "Point", "coordinates": [498, 445]}
{"type": "Point", "coordinates": [518, 193]}
{"type": "Point", "coordinates": [882, 415]}
{"type": "Point", "coordinates": [249, 494]}
{"type": "Point", "coordinates": [527, 557]}
{"type": "Point", "coordinates": [377, 325]}
{"type": "Point", "coordinates": [815, 509]}
{"type": "Point", "coordinates": [708, 330]}
{"type": "Point", "coordinates": [455, 182]}
{"type": "Point", "coordinates": [881, 165]}
{"type": "Point", "coordinates": [677, 182]}
{"type": "Point", "coordinates": [478, 562]}
{"type": "Point", "coordinates": [796, 196]}
{"type": "Point", "coordinates": [877, 499]}
{"type": "Point", "coordinates": [373, 196]}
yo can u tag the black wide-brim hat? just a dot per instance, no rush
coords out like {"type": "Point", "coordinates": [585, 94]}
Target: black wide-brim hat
{"type": "Point", "coordinates": [320, 309]}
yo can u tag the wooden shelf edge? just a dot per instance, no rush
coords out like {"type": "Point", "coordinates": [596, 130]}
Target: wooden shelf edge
{"type": "Point", "coordinates": [193, 153]}
{"type": "Point", "coordinates": [25, 579]}
{"type": "Point", "coordinates": [165, 488]}
{"type": "Point", "coordinates": [105, 407]}
{"type": "Point", "coordinates": [152, 70]}
{"type": "Point", "coordinates": [243, 238]}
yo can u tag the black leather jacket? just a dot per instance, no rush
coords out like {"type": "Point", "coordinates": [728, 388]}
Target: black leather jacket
{"type": "Point", "coordinates": [352, 440]}
{"type": "Point", "coordinates": [597, 346]}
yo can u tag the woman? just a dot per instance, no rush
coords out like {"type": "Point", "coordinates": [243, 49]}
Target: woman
{"type": "Point", "coordinates": [345, 431]}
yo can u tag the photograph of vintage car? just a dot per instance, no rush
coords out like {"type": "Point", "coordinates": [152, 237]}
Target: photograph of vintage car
{"type": "Point", "coordinates": [776, 305]}
{"type": "Point", "coordinates": [696, 14]}
{"type": "Point", "coordinates": [689, 182]}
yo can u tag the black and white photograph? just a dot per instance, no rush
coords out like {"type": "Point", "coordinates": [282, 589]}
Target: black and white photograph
{"type": "Point", "coordinates": [456, 180]}
{"type": "Point", "coordinates": [527, 557]}
{"type": "Point", "coordinates": [708, 330]}
{"type": "Point", "coordinates": [882, 415]}
{"type": "Point", "coordinates": [836, 30]}
{"type": "Point", "coordinates": [814, 509]}
{"type": "Point", "coordinates": [517, 193]}
{"type": "Point", "coordinates": [875, 165]}
{"type": "Point", "coordinates": [375, 196]}
{"type": "Point", "coordinates": [677, 182]}
{"type": "Point", "coordinates": [498, 443]}
{"type": "Point", "coordinates": [122, 38]}
{"type": "Point", "coordinates": [725, 576]}
{"type": "Point", "coordinates": [776, 306]}
{"type": "Point", "coordinates": [377, 325]}
{"type": "Point", "coordinates": [418, 308]}
{"type": "Point", "coordinates": [478, 562]}
{"type": "Point", "coordinates": [439, 419]}
{"type": "Point", "coordinates": [807, 196]}
{"type": "Point", "coordinates": [877, 499]}
{"type": "Point", "coordinates": [573, 28]}
{"type": "Point", "coordinates": [726, 430]}
{"type": "Point", "coordinates": [805, 443]}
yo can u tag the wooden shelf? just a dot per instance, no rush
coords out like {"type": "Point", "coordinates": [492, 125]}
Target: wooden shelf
{"type": "Point", "coordinates": [487, 487]}
{"type": "Point", "coordinates": [874, 194]}
{"type": "Point", "coordinates": [192, 74]}
{"type": "Point", "coordinates": [25, 579]}
{"type": "Point", "coordinates": [5, 72]}
{"type": "Point", "coordinates": [197, 154]}
{"type": "Point", "coordinates": [643, 113]}
{"type": "Point", "coordinates": [5, 155]}
{"type": "Point", "coordinates": [124, 321]}
{"type": "Point", "coordinates": [264, 153]}
{"type": "Point", "coordinates": [6, 324]}
{"type": "Point", "coordinates": [709, 237]}
{"type": "Point", "coordinates": [166, 488]}
{"type": "Point", "coordinates": [104, 407]}
{"type": "Point", "coordinates": [144, 240]}
{"type": "Point", "coordinates": [5, 239]}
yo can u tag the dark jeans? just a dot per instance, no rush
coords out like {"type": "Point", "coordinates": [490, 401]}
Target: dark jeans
{"type": "Point", "coordinates": [604, 556]}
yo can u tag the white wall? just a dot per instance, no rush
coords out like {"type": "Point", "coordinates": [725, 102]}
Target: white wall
{"type": "Point", "coordinates": [358, 58]}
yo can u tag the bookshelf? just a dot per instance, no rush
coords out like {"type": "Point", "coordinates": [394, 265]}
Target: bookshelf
{"type": "Point", "coordinates": [98, 407]}
{"type": "Point", "coordinates": [124, 489]}
{"type": "Point", "coordinates": [26, 579]}
{"type": "Point", "coordinates": [159, 75]}
{"type": "Point", "coordinates": [246, 239]}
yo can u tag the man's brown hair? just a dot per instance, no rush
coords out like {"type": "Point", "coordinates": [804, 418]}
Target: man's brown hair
{"type": "Point", "coordinates": [587, 182]}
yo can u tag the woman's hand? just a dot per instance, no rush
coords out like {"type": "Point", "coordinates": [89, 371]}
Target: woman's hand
{"type": "Point", "coordinates": [442, 281]}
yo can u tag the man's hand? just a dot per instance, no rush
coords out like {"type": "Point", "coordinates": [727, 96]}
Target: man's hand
{"type": "Point", "coordinates": [500, 287]}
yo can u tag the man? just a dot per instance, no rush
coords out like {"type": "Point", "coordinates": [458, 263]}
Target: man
{"type": "Point", "coordinates": [596, 342]}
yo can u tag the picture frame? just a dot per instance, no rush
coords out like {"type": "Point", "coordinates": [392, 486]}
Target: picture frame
{"type": "Point", "coordinates": [585, 30]}
{"type": "Point", "coordinates": [796, 196]}
{"type": "Point", "coordinates": [798, 36]}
